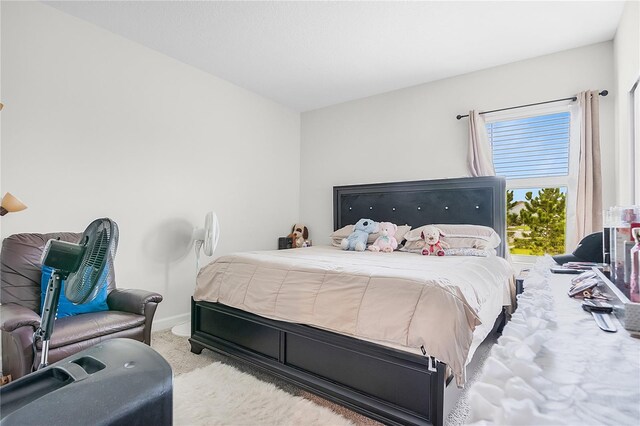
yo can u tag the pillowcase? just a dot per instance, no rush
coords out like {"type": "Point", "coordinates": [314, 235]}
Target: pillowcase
{"type": "Point", "coordinates": [337, 235]}
{"type": "Point", "coordinates": [402, 231]}
{"type": "Point", "coordinates": [461, 251]}
{"type": "Point", "coordinates": [465, 251]}
{"type": "Point", "coordinates": [65, 307]}
{"type": "Point", "coordinates": [345, 231]}
{"type": "Point", "coordinates": [458, 236]}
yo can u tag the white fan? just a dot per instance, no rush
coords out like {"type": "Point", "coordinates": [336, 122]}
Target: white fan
{"type": "Point", "coordinates": [205, 239]}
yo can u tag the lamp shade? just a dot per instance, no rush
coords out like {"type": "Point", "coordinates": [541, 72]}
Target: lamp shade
{"type": "Point", "coordinates": [11, 204]}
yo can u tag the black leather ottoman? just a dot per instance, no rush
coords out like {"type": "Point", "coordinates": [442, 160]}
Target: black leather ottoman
{"type": "Point", "coordinates": [117, 382]}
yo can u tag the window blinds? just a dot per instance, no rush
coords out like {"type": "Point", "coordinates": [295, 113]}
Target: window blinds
{"type": "Point", "coordinates": [531, 147]}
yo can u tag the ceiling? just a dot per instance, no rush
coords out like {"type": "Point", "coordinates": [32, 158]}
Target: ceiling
{"type": "Point", "coordinates": [307, 55]}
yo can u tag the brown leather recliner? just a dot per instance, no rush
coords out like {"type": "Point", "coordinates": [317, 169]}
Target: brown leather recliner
{"type": "Point", "coordinates": [130, 312]}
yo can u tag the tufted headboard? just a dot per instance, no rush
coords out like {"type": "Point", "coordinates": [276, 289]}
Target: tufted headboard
{"type": "Point", "coordinates": [475, 201]}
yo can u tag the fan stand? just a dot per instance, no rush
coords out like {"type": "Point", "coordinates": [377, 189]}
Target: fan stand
{"type": "Point", "coordinates": [184, 329]}
{"type": "Point", "coordinates": [210, 233]}
{"type": "Point", "coordinates": [48, 316]}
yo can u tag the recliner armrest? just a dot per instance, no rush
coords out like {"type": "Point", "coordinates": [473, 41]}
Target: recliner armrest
{"type": "Point", "coordinates": [13, 316]}
{"type": "Point", "coordinates": [132, 301]}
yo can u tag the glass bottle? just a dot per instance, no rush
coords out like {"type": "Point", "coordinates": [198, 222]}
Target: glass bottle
{"type": "Point", "coordinates": [607, 222]}
{"type": "Point", "coordinates": [634, 290]}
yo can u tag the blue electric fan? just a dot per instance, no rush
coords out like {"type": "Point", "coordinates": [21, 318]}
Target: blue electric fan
{"type": "Point", "coordinates": [82, 266]}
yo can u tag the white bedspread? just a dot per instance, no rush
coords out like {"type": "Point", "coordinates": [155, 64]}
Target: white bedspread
{"type": "Point", "coordinates": [403, 300]}
{"type": "Point", "coordinates": [554, 366]}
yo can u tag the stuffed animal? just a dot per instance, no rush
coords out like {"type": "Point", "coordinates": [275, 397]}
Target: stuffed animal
{"type": "Point", "coordinates": [357, 240]}
{"type": "Point", "coordinates": [431, 236]}
{"type": "Point", "coordinates": [299, 235]}
{"type": "Point", "coordinates": [386, 242]}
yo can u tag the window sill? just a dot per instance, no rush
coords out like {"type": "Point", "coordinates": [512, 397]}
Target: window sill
{"type": "Point", "coordinates": [527, 260]}
{"type": "Point", "coordinates": [523, 262]}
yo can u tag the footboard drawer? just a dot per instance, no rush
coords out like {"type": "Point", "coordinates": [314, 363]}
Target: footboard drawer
{"type": "Point", "coordinates": [239, 331]}
{"type": "Point", "coordinates": [381, 378]}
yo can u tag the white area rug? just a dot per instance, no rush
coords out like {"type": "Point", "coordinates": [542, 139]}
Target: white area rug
{"type": "Point", "coordinates": [221, 395]}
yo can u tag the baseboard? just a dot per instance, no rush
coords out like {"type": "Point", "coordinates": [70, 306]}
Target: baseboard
{"type": "Point", "coordinates": [167, 323]}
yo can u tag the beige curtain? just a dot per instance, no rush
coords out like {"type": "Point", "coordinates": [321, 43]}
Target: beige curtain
{"type": "Point", "coordinates": [480, 157]}
{"type": "Point", "coordinates": [589, 194]}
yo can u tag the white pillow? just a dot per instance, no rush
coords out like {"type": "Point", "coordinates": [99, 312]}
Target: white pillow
{"type": "Point", "coordinates": [345, 231]}
{"type": "Point", "coordinates": [466, 251]}
{"type": "Point", "coordinates": [337, 235]}
{"type": "Point", "coordinates": [459, 236]}
{"type": "Point", "coordinates": [460, 251]}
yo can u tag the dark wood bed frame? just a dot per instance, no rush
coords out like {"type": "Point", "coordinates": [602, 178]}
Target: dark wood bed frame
{"type": "Point", "coordinates": [388, 385]}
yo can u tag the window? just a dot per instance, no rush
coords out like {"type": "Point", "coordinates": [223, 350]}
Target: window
{"type": "Point", "coordinates": [532, 150]}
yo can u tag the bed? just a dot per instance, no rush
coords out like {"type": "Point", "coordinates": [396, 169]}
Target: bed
{"type": "Point", "coordinates": [392, 366]}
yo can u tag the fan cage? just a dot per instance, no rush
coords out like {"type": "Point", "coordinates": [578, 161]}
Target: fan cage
{"type": "Point", "coordinates": [96, 267]}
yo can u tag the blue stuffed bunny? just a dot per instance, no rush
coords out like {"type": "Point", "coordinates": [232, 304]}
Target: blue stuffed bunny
{"type": "Point", "coordinates": [358, 239]}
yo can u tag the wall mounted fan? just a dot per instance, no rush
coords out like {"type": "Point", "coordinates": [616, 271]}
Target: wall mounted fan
{"type": "Point", "coordinates": [205, 239]}
{"type": "Point", "coordinates": [82, 266]}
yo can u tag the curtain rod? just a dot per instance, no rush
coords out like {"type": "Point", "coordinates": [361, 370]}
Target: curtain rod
{"type": "Point", "coordinates": [573, 99]}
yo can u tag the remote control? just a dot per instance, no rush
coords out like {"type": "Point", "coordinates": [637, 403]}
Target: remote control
{"type": "Point", "coordinates": [591, 305]}
{"type": "Point", "coordinates": [583, 276]}
{"type": "Point", "coordinates": [604, 322]}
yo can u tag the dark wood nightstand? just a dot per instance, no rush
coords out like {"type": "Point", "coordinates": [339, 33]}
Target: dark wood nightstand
{"type": "Point", "coordinates": [520, 280]}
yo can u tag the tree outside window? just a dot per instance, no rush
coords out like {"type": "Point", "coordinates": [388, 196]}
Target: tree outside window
{"type": "Point", "coordinates": [536, 221]}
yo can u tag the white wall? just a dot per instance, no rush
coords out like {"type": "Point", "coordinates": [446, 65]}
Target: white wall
{"type": "Point", "coordinates": [626, 48]}
{"type": "Point", "coordinates": [412, 134]}
{"type": "Point", "coordinates": [95, 125]}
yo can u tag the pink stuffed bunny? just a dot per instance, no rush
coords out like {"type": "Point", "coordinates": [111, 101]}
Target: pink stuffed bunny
{"type": "Point", "coordinates": [386, 242]}
{"type": "Point", "coordinates": [431, 235]}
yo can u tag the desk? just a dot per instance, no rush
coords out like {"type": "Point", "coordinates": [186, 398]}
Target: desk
{"type": "Point", "coordinates": [553, 365]}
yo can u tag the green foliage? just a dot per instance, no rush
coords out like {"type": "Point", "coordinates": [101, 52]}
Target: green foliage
{"type": "Point", "coordinates": [541, 222]}
{"type": "Point", "coordinates": [513, 219]}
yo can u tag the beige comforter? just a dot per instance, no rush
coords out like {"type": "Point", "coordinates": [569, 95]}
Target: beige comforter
{"type": "Point", "coordinates": [402, 300]}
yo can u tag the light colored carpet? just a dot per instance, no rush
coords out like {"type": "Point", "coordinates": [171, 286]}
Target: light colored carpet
{"type": "Point", "coordinates": [176, 350]}
{"type": "Point", "coordinates": [221, 395]}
